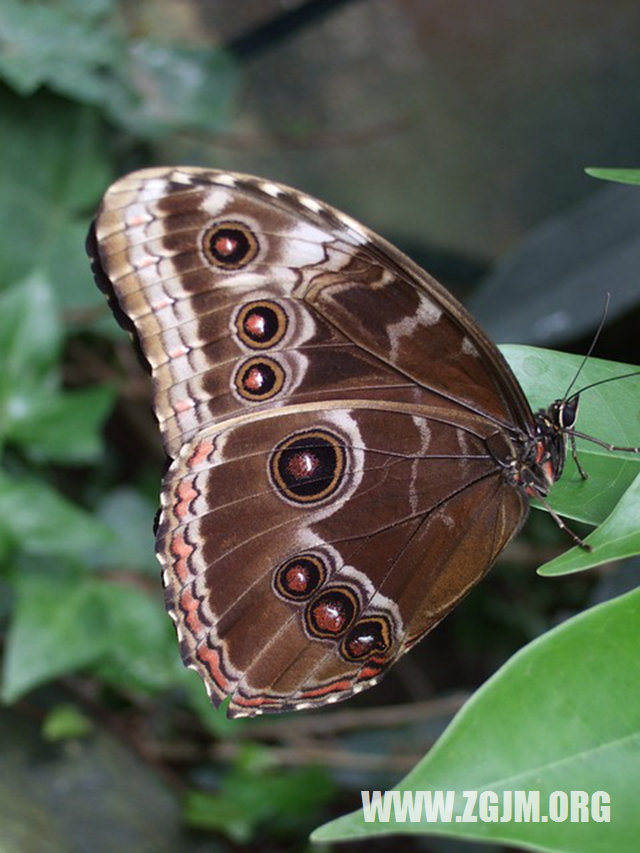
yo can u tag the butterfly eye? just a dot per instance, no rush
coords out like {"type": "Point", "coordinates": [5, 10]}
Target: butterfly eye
{"type": "Point", "coordinates": [229, 245]}
{"type": "Point", "coordinates": [299, 577]}
{"type": "Point", "coordinates": [259, 379]}
{"type": "Point", "coordinates": [261, 324]}
{"type": "Point", "coordinates": [568, 412]}
{"type": "Point", "coordinates": [308, 467]}
{"type": "Point", "coordinates": [331, 612]}
{"type": "Point", "coordinates": [368, 636]}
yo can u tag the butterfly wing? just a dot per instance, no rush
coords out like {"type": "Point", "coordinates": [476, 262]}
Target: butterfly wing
{"type": "Point", "coordinates": [295, 584]}
{"type": "Point", "coordinates": [336, 421]}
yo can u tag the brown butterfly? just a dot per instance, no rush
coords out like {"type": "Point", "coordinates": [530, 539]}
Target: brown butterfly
{"type": "Point", "coordinates": [350, 451]}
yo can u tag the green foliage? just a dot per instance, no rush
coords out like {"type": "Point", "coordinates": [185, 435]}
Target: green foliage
{"type": "Point", "coordinates": [610, 496]}
{"type": "Point", "coordinates": [65, 722]}
{"type": "Point", "coordinates": [556, 717]}
{"type": "Point", "coordinates": [621, 176]}
{"type": "Point", "coordinates": [616, 538]}
{"type": "Point", "coordinates": [255, 794]}
{"type": "Point", "coordinates": [48, 423]}
{"type": "Point", "coordinates": [144, 86]}
{"type": "Point", "coordinates": [51, 172]}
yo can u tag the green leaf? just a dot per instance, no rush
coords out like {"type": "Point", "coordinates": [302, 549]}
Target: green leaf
{"type": "Point", "coordinates": [142, 652]}
{"type": "Point", "coordinates": [130, 516]}
{"type": "Point", "coordinates": [608, 412]}
{"type": "Point", "coordinates": [65, 722]}
{"type": "Point", "coordinates": [54, 425]}
{"type": "Point", "coordinates": [61, 44]}
{"type": "Point", "coordinates": [84, 53]}
{"type": "Point", "coordinates": [59, 625]}
{"type": "Point", "coordinates": [30, 338]}
{"type": "Point", "coordinates": [52, 173]}
{"type": "Point", "coordinates": [41, 522]}
{"type": "Point", "coordinates": [617, 537]}
{"type": "Point", "coordinates": [61, 427]}
{"type": "Point", "coordinates": [178, 88]}
{"type": "Point", "coordinates": [621, 176]}
{"type": "Point", "coordinates": [254, 793]}
{"type": "Point", "coordinates": [214, 719]}
{"type": "Point", "coordinates": [561, 715]}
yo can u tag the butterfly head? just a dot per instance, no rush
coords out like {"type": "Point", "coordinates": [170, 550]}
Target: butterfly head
{"type": "Point", "coordinates": [552, 427]}
{"type": "Point", "coordinates": [562, 415]}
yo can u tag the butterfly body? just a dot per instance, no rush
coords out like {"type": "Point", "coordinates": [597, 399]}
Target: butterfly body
{"type": "Point", "coordinates": [350, 451]}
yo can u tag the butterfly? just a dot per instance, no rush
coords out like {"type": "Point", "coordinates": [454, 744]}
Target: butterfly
{"type": "Point", "coordinates": [349, 451]}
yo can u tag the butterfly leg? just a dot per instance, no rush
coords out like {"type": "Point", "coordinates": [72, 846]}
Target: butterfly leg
{"type": "Point", "coordinates": [554, 515]}
{"type": "Point", "coordinates": [574, 455]}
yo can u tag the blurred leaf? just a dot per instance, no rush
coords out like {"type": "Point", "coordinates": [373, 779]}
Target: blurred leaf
{"type": "Point", "coordinates": [175, 87]}
{"type": "Point", "coordinates": [552, 286]}
{"type": "Point", "coordinates": [41, 522]}
{"type": "Point", "coordinates": [563, 714]}
{"type": "Point", "coordinates": [84, 53]}
{"type": "Point", "coordinates": [59, 625]}
{"type": "Point", "coordinates": [63, 427]}
{"type": "Point", "coordinates": [622, 176]}
{"type": "Point", "coordinates": [30, 337]}
{"type": "Point", "coordinates": [617, 537]}
{"type": "Point", "coordinates": [52, 172]}
{"type": "Point", "coordinates": [130, 516]}
{"type": "Point", "coordinates": [62, 44]}
{"type": "Point", "coordinates": [214, 719]}
{"type": "Point", "coordinates": [142, 652]}
{"type": "Point", "coordinates": [218, 813]}
{"type": "Point", "coordinates": [609, 413]}
{"type": "Point", "coordinates": [65, 722]}
{"type": "Point", "coordinates": [60, 426]}
{"type": "Point", "coordinates": [255, 793]}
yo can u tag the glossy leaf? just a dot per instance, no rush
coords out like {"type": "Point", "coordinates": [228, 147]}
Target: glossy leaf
{"type": "Point", "coordinates": [608, 412]}
{"type": "Point", "coordinates": [563, 714]}
{"type": "Point", "coordinates": [617, 537]}
{"type": "Point", "coordinates": [622, 176]}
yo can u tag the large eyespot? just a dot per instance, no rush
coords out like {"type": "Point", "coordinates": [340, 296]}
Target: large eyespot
{"type": "Point", "coordinates": [308, 466]}
{"type": "Point", "coordinates": [261, 324]}
{"type": "Point", "coordinates": [331, 612]}
{"type": "Point", "coordinates": [229, 245]}
{"type": "Point", "coordinates": [299, 577]}
{"type": "Point", "coordinates": [259, 379]}
{"type": "Point", "coordinates": [369, 636]}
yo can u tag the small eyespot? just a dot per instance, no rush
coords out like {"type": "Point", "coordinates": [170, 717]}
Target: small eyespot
{"type": "Point", "coordinates": [261, 324]}
{"type": "Point", "coordinates": [299, 577]}
{"type": "Point", "coordinates": [259, 379]}
{"type": "Point", "coordinates": [308, 466]}
{"type": "Point", "coordinates": [229, 245]}
{"type": "Point", "coordinates": [369, 636]}
{"type": "Point", "coordinates": [331, 612]}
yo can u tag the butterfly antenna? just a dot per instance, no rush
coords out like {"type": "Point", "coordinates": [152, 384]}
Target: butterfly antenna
{"type": "Point", "coordinates": [604, 381]}
{"type": "Point", "coordinates": [605, 311]}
